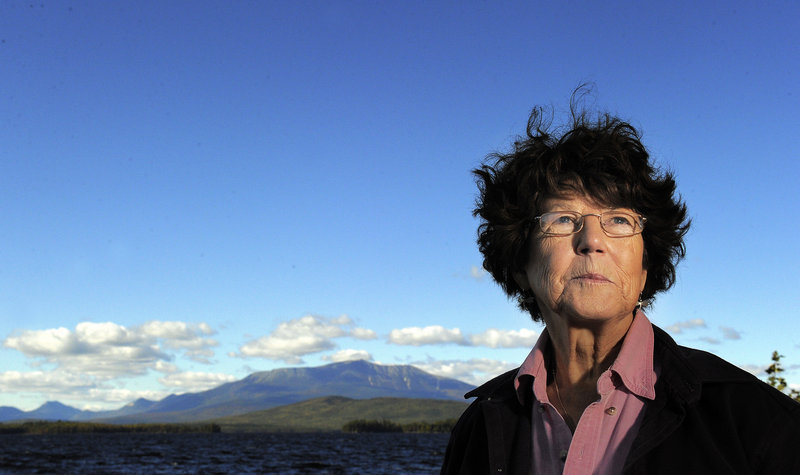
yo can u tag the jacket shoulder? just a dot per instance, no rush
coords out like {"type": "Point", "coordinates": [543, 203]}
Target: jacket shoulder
{"type": "Point", "coordinates": [722, 379]}
{"type": "Point", "coordinates": [501, 385]}
{"type": "Point", "coordinates": [709, 373]}
{"type": "Point", "coordinates": [486, 437]}
{"type": "Point", "coordinates": [710, 368]}
{"type": "Point", "coordinates": [715, 416]}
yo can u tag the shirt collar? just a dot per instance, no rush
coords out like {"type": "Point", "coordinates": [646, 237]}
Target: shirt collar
{"type": "Point", "coordinates": [533, 366]}
{"type": "Point", "coordinates": [634, 364]}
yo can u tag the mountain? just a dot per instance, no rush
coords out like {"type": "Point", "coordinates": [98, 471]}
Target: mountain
{"type": "Point", "coordinates": [8, 413]}
{"type": "Point", "coordinates": [264, 390]}
{"type": "Point", "coordinates": [51, 410]}
{"type": "Point", "coordinates": [135, 407]}
{"type": "Point", "coordinates": [139, 405]}
{"type": "Point", "coordinates": [268, 389]}
{"type": "Point", "coordinates": [54, 410]}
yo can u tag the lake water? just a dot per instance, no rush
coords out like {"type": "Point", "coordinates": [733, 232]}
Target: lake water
{"type": "Point", "coordinates": [222, 453]}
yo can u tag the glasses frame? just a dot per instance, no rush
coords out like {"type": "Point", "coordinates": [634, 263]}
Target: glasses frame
{"type": "Point", "coordinates": [581, 218]}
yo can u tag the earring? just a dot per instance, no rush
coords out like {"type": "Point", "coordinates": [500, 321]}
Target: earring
{"type": "Point", "coordinates": [639, 304]}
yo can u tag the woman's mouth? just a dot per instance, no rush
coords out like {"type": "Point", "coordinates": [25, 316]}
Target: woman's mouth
{"type": "Point", "coordinates": [592, 278]}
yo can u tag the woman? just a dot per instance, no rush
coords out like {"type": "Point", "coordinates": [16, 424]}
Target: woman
{"type": "Point", "coordinates": [584, 232]}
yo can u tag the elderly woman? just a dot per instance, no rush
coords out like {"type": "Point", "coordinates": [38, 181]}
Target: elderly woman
{"type": "Point", "coordinates": [584, 232]}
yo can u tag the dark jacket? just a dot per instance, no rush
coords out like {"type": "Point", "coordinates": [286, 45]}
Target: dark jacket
{"type": "Point", "coordinates": [709, 417]}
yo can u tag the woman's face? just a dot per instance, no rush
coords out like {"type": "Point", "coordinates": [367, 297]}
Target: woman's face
{"type": "Point", "coordinates": [587, 277]}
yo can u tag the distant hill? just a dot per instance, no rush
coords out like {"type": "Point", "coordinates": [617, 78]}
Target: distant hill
{"type": "Point", "coordinates": [332, 412]}
{"type": "Point", "coordinates": [55, 411]}
{"type": "Point", "coordinates": [51, 410]}
{"type": "Point", "coordinates": [8, 413]}
{"type": "Point", "coordinates": [265, 390]}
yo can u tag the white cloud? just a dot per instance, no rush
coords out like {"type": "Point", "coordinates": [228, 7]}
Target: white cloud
{"type": "Point", "coordinates": [44, 343]}
{"type": "Point", "coordinates": [43, 381]}
{"type": "Point", "coordinates": [474, 371]}
{"type": "Point", "coordinates": [191, 381]}
{"type": "Point", "coordinates": [105, 333]}
{"type": "Point", "coordinates": [710, 340]}
{"type": "Point", "coordinates": [71, 388]}
{"type": "Point", "coordinates": [363, 334]}
{"type": "Point", "coordinates": [438, 335]}
{"type": "Point", "coordinates": [303, 336]}
{"type": "Point", "coordinates": [430, 335]}
{"type": "Point", "coordinates": [177, 330]}
{"type": "Point", "coordinates": [494, 338]}
{"type": "Point", "coordinates": [730, 334]}
{"type": "Point", "coordinates": [477, 273]}
{"type": "Point", "coordinates": [341, 320]}
{"type": "Point", "coordinates": [184, 336]}
{"type": "Point", "coordinates": [686, 325]}
{"type": "Point", "coordinates": [348, 355]}
{"type": "Point", "coordinates": [108, 350]}
{"type": "Point", "coordinates": [117, 397]}
{"type": "Point", "coordinates": [164, 367]}
{"type": "Point", "coordinates": [75, 389]}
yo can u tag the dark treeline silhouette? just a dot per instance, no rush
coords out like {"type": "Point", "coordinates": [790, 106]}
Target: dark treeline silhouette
{"type": "Point", "coordinates": [362, 425]}
{"type": "Point", "coordinates": [66, 427]}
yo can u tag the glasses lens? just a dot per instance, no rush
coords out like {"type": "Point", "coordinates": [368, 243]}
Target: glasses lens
{"type": "Point", "coordinates": [617, 223]}
{"type": "Point", "coordinates": [559, 222]}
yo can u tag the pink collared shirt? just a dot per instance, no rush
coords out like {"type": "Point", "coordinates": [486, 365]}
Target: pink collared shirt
{"type": "Point", "coordinates": [607, 427]}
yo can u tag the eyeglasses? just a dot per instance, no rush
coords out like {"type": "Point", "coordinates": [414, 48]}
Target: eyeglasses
{"type": "Point", "coordinates": [614, 223]}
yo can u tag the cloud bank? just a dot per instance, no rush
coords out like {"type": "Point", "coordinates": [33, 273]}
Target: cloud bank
{"type": "Point", "coordinates": [92, 358]}
{"type": "Point", "coordinates": [348, 355]}
{"type": "Point", "coordinates": [430, 335]}
{"type": "Point", "coordinates": [494, 338]}
{"type": "Point", "coordinates": [474, 371]}
{"type": "Point", "coordinates": [306, 335]}
{"type": "Point", "coordinates": [108, 350]}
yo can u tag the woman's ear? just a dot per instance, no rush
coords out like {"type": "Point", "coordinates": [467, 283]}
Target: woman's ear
{"type": "Point", "coordinates": [644, 281]}
{"type": "Point", "coordinates": [521, 278]}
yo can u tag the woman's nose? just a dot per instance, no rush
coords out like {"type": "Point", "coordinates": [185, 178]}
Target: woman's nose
{"type": "Point", "coordinates": [591, 237]}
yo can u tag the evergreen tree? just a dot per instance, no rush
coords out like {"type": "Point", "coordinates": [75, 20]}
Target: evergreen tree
{"type": "Point", "coordinates": [776, 380]}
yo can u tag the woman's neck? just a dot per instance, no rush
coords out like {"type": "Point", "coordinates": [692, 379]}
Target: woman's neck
{"type": "Point", "coordinates": [582, 353]}
{"type": "Point", "coordinates": [578, 356]}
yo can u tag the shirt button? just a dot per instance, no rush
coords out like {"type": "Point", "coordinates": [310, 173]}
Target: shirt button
{"type": "Point", "coordinates": [563, 455]}
{"type": "Point", "coordinates": [611, 411]}
{"type": "Point", "coordinates": [541, 408]}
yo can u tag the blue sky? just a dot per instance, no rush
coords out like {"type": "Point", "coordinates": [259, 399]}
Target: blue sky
{"type": "Point", "coordinates": [194, 191]}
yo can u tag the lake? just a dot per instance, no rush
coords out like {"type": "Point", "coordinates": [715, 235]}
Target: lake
{"type": "Point", "coordinates": [223, 453]}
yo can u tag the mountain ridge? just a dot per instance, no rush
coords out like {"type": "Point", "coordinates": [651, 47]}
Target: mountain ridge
{"type": "Point", "coordinates": [262, 390]}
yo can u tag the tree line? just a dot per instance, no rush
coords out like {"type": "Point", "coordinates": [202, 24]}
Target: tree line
{"type": "Point", "coordinates": [68, 427]}
{"type": "Point", "coordinates": [383, 425]}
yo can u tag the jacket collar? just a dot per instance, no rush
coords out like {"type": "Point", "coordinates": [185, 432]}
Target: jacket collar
{"type": "Point", "coordinates": [499, 387]}
{"type": "Point", "coordinates": [678, 377]}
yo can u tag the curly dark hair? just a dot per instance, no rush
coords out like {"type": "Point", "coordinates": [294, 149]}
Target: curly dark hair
{"type": "Point", "coordinates": [601, 158]}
